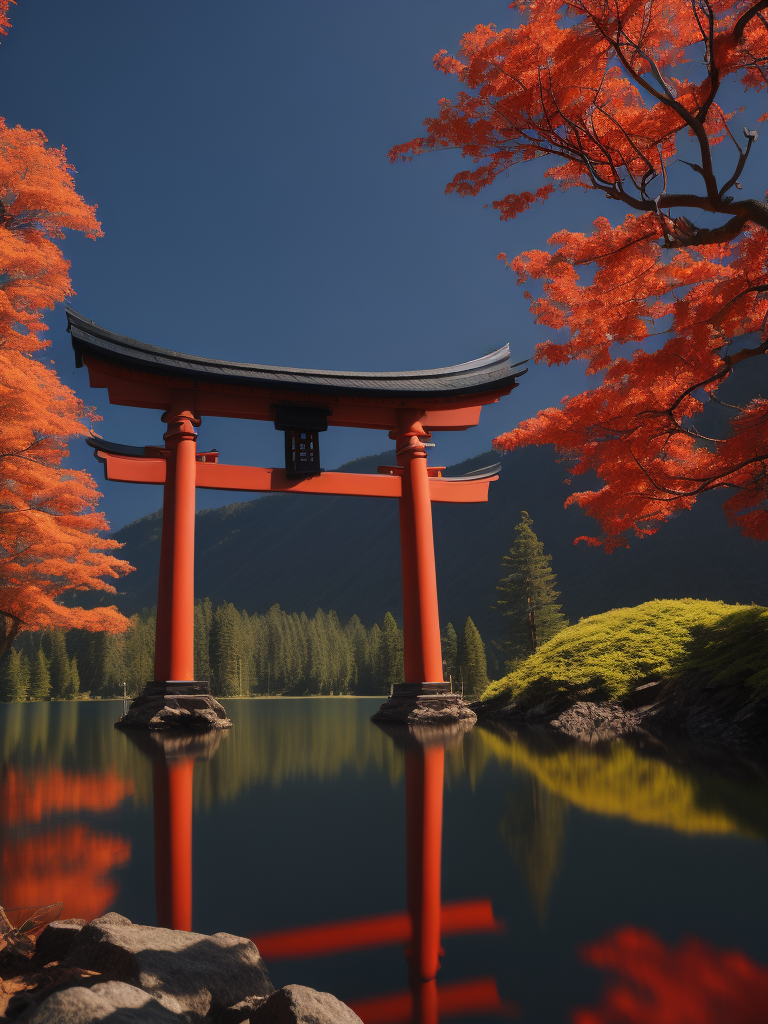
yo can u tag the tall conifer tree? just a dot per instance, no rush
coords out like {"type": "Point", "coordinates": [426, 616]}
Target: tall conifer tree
{"type": "Point", "coordinates": [450, 646]}
{"type": "Point", "coordinates": [203, 624]}
{"type": "Point", "coordinates": [528, 598]}
{"type": "Point", "coordinates": [392, 651]}
{"type": "Point", "coordinates": [474, 669]}
{"type": "Point", "coordinates": [60, 665]}
{"type": "Point", "coordinates": [358, 641]}
{"type": "Point", "coordinates": [226, 666]}
{"type": "Point", "coordinates": [40, 678]}
{"type": "Point", "coordinates": [375, 666]}
{"type": "Point", "coordinates": [13, 685]}
{"type": "Point", "coordinates": [73, 688]}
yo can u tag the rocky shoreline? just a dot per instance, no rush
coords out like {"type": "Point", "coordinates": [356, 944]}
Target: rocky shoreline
{"type": "Point", "coordinates": [734, 717]}
{"type": "Point", "coordinates": [112, 970]}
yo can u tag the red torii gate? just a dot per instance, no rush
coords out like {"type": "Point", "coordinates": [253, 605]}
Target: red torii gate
{"type": "Point", "coordinates": [409, 404]}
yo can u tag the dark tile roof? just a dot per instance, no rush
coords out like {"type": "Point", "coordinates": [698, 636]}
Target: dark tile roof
{"type": "Point", "coordinates": [489, 373]}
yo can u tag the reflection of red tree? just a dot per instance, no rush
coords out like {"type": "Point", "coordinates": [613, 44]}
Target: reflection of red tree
{"type": "Point", "coordinates": [691, 984]}
{"type": "Point", "coordinates": [24, 799]}
{"type": "Point", "coordinates": [454, 999]}
{"type": "Point", "coordinates": [70, 864]}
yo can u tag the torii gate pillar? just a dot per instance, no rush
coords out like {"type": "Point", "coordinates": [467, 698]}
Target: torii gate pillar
{"type": "Point", "coordinates": [423, 661]}
{"type": "Point", "coordinates": [175, 630]}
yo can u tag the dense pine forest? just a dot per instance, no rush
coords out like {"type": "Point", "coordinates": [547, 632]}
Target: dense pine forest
{"type": "Point", "coordinates": [277, 653]}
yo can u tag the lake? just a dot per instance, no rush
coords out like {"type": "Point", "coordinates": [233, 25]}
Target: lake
{"type": "Point", "coordinates": [598, 886]}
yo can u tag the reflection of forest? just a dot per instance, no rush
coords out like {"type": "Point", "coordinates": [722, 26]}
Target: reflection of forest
{"type": "Point", "coordinates": [274, 741]}
{"type": "Point", "coordinates": [533, 828]}
{"type": "Point", "coordinates": [293, 739]}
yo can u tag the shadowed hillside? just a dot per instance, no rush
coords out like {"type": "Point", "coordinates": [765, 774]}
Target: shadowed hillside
{"type": "Point", "coordinates": [308, 551]}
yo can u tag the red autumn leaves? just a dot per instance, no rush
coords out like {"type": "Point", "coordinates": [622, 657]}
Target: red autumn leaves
{"type": "Point", "coordinates": [603, 89]}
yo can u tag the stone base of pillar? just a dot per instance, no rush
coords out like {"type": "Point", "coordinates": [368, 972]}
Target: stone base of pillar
{"type": "Point", "coordinates": [424, 704]}
{"type": "Point", "coordinates": [177, 706]}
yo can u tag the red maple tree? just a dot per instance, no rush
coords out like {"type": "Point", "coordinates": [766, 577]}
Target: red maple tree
{"type": "Point", "coordinates": [598, 86]}
{"type": "Point", "coordinates": [50, 532]}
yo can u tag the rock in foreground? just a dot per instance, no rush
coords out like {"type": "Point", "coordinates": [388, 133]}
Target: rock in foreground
{"type": "Point", "coordinates": [296, 1004]}
{"type": "Point", "coordinates": [113, 970]}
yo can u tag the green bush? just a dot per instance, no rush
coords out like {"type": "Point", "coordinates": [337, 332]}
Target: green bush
{"type": "Point", "coordinates": [606, 656]}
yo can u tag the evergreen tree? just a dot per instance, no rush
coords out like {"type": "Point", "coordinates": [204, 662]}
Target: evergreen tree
{"type": "Point", "coordinates": [357, 637]}
{"type": "Point", "coordinates": [226, 659]}
{"type": "Point", "coordinates": [375, 666]}
{"type": "Point", "coordinates": [528, 595]}
{"type": "Point", "coordinates": [59, 666]}
{"type": "Point", "coordinates": [319, 657]}
{"type": "Point", "coordinates": [300, 625]}
{"type": "Point", "coordinates": [135, 665]}
{"type": "Point", "coordinates": [203, 625]}
{"type": "Point", "coordinates": [474, 671]}
{"type": "Point", "coordinates": [450, 645]}
{"type": "Point", "coordinates": [392, 651]}
{"type": "Point", "coordinates": [103, 664]}
{"type": "Point", "coordinates": [74, 680]}
{"type": "Point", "coordinates": [39, 678]}
{"type": "Point", "coordinates": [13, 685]}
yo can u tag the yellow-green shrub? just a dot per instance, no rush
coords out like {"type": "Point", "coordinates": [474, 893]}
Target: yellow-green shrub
{"type": "Point", "coordinates": [606, 656]}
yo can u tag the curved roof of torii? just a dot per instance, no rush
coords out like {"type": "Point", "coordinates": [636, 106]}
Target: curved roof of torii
{"type": "Point", "coordinates": [492, 372]}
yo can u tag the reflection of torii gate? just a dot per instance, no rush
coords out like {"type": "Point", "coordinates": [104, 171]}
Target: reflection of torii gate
{"type": "Point", "coordinates": [420, 929]}
{"type": "Point", "coordinates": [426, 922]}
{"type": "Point", "coordinates": [410, 405]}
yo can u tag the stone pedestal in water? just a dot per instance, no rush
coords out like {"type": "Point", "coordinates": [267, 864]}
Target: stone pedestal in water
{"type": "Point", "coordinates": [175, 706]}
{"type": "Point", "coordinates": [424, 704]}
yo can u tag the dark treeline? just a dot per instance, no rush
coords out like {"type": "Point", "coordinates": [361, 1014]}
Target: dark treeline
{"type": "Point", "coordinates": [240, 654]}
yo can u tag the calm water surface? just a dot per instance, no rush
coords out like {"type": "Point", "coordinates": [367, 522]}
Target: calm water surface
{"type": "Point", "coordinates": [577, 885]}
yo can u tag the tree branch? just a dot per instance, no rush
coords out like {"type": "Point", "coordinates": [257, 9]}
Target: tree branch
{"type": "Point", "coordinates": [747, 16]}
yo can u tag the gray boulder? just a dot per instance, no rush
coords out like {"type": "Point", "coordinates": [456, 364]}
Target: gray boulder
{"type": "Point", "coordinates": [296, 1004]}
{"type": "Point", "coordinates": [596, 723]}
{"type": "Point", "coordinates": [241, 1012]}
{"type": "Point", "coordinates": [55, 941]}
{"type": "Point", "coordinates": [197, 975]}
{"type": "Point", "coordinates": [113, 1002]}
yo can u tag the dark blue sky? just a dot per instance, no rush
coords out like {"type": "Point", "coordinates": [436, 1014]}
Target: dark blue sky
{"type": "Point", "coordinates": [238, 156]}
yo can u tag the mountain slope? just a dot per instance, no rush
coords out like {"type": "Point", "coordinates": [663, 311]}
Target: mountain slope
{"type": "Point", "coordinates": [310, 551]}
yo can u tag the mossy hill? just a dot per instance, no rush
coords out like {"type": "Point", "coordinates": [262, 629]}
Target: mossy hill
{"type": "Point", "coordinates": [607, 656]}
